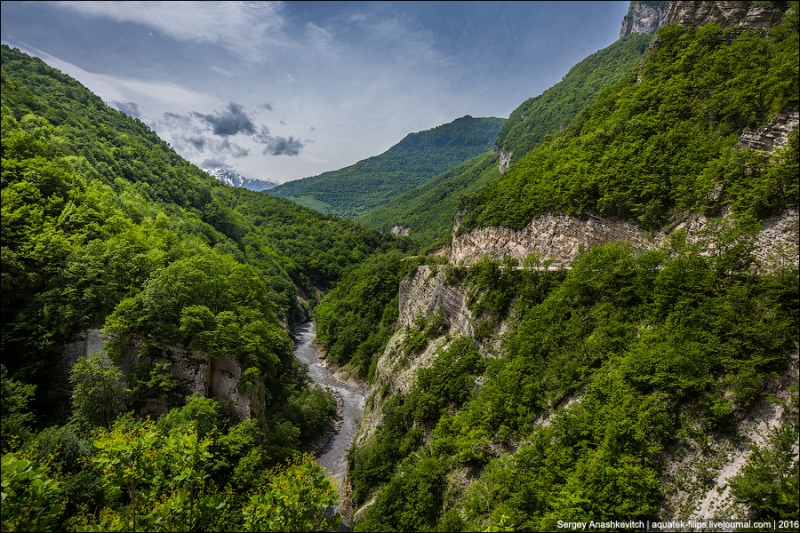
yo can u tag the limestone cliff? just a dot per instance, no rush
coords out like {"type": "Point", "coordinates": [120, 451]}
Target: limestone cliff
{"type": "Point", "coordinates": [422, 294]}
{"type": "Point", "coordinates": [643, 17]}
{"type": "Point", "coordinates": [561, 238]}
{"type": "Point", "coordinates": [216, 377]}
{"type": "Point", "coordinates": [425, 293]}
{"type": "Point", "coordinates": [745, 15]}
{"type": "Point", "coordinates": [557, 237]}
{"type": "Point", "coordinates": [505, 158]}
{"type": "Point", "coordinates": [773, 135]}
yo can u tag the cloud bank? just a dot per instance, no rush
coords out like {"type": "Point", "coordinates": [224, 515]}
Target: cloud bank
{"type": "Point", "coordinates": [129, 108]}
{"type": "Point", "coordinates": [232, 121]}
{"type": "Point", "coordinates": [244, 28]}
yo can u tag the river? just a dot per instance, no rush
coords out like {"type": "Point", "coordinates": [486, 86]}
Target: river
{"type": "Point", "coordinates": [332, 456]}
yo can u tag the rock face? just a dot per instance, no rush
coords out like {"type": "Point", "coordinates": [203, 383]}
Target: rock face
{"type": "Point", "coordinates": [424, 293]}
{"type": "Point", "coordinates": [88, 342]}
{"type": "Point", "coordinates": [558, 237]}
{"type": "Point", "coordinates": [774, 135]}
{"type": "Point", "coordinates": [643, 17]}
{"type": "Point", "coordinates": [745, 15]}
{"type": "Point", "coordinates": [505, 158]}
{"type": "Point", "coordinates": [400, 231]}
{"type": "Point", "coordinates": [217, 377]}
{"type": "Point", "coordinates": [561, 237]}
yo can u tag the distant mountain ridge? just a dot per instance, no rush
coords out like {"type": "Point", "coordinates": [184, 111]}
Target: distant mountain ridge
{"type": "Point", "coordinates": [420, 156]}
{"type": "Point", "coordinates": [552, 110]}
{"type": "Point", "coordinates": [234, 179]}
{"type": "Point", "coordinates": [426, 212]}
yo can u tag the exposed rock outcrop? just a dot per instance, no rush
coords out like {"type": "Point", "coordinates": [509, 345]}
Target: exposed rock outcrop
{"type": "Point", "coordinates": [643, 17]}
{"type": "Point", "coordinates": [423, 293]}
{"type": "Point", "coordinates": [216, 377]}
{"type": "Point", "coordinates": [561, 237]}
{"type": "Point", "coordinates": [88, 342]}
{"type": "Point", "coordinates": [558, 237]}
{"type": "Point", "coordinates": [400, 231]}
{"type": "Point", "coordinates": [773, 135]}
{"type": "Point", "coordinates": [744, 15]}
{"type": "Point", "coordinates": [505, 158]}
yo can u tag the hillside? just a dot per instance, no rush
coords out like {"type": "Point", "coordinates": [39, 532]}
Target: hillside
{"type": "Point", "coordinates": [552, 110]}
{"type": "Point", "coordinates": [193, 283]}
{"type": "Point", "coordinates": [420, 156]}
{"type": "Point", "coordinates": [612, 334]}
{"type": "Point", "coordinates": [605, 336]}
{"type": "Point", "coordinates": [663, 140]}
{"type": "Point", "coordinates": [427, 211]}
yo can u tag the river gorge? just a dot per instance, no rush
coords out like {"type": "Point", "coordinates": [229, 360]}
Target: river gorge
{"type": "Point", "coordinates": [352, 395]}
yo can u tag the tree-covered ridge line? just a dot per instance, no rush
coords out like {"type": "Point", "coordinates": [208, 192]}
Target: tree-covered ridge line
{"type": "Point", "coordinates": [103, 224]}
{"type": "Point", "coordinates": [662, 140]}
{"type": "Point", "coordinates": [420, 156]}
{"type": "Point", "coordinates": [647, 353]}
{"type": "Point", "coordinates": [630, 356]}
{"type": "Point", "coordinates": [552, 110]}
{"type": "Point", "coordinates": [428, 210]}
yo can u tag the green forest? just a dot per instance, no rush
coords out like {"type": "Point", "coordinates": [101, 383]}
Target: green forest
{"type": "Point", "coordinates": [104, 225]}
{"type": "Point", "coordinates": [519, 394]}
{"type": "Point", "coordinates": [662, 140]}
{"type": "Point", "coordinates": [552, 110]}
{"type": "Point", "coordinates": [350, 191]}
{"type": "Point", "coordinates": [660, 349]}
{"type": "Point", "coordinates": [428, 210]}
{"type": "Point", "coordinates": [637, 357]}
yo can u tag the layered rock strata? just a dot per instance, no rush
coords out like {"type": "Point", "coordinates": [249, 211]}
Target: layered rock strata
{"type": "Point", "coordinates": [643, 17]}
{"type": "Point", "coordinates": [423, 293]}
{"type": "Point", "coordinates": [773, 135]}
{"type": "Point", "coordinates": [216, 377]}
{"type": "Point", "coordinates": [744, 15]}
{"type": "Point", "coordinates": [557, 237]}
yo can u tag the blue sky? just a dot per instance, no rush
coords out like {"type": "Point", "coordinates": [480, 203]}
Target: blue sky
{"type": "Point", "coordinates": [281, 91]}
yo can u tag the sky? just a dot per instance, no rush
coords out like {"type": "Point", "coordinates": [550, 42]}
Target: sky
{"type": "Point", "coordinates": [284, 90]}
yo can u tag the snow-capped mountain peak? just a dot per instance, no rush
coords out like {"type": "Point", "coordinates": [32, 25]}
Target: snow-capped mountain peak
{"type": "Point", "coordinates": [234, 179]}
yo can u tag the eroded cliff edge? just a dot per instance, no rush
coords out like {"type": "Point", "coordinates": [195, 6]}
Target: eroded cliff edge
{"type": "Point", "coordinates": [215, 377]}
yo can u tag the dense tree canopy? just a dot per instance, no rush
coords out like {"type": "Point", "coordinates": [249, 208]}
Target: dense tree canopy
{"type": "Point", "coordinates": [104, 225]}
{"type": "Point", "coordinates": [662, 139]}
{"type": "Point", "coordinates": [350, 191]}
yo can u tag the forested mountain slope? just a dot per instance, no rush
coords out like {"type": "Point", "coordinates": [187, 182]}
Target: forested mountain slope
{"type": "Point", "coordinates": [663, 139]}
{"type": "Point", "coordinates": [427, 211]}
{"type": "Point", "coordinates": [104, 225]}
{"type": "Point", "coordinates": [552, 110]}
{"type": "Point", "coordinates": [420, 156]}
{"type": "Point", "coordinates": [656, 380]}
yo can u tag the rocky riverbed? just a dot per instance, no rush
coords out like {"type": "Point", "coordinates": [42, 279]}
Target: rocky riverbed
{"type": "Point", "coordinates": [332, 446]}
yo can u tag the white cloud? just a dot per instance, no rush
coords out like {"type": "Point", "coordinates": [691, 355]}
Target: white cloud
{"type": "Point", "coordinates": [222, 71]}
{"type": "Point", "coordinates": [407, 44]}
{"type": "Point", "coordinates": [319, 38]}
{"type": "Point", "coordinates": [242, 27]}
{"type": "Point", "coordinates": [113, 88]}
